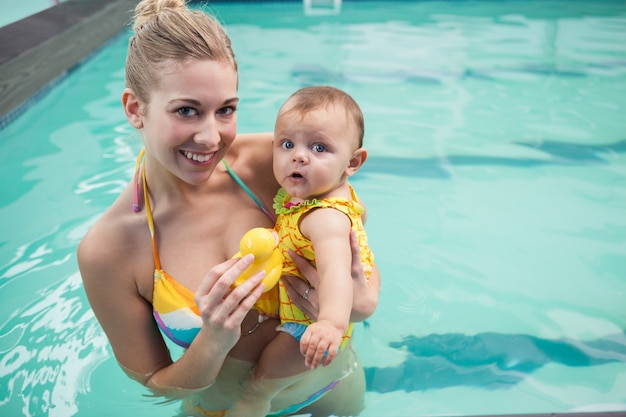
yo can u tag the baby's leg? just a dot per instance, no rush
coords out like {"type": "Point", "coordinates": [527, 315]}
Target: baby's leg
{"type": "Point", "coordinates": [280, 359]}
{"type": "Point", "coordinates": [280, 366]}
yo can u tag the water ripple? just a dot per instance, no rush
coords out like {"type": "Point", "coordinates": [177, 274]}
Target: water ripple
{"type": "Point", "coordinates": [50, 349]}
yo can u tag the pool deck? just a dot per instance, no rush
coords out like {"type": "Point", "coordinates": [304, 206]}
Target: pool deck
{"type": "Point", "coordinates": [38, 49]}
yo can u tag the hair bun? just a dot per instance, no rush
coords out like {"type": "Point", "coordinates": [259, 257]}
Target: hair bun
{"type": "Point", "coordinates": [147, 10]}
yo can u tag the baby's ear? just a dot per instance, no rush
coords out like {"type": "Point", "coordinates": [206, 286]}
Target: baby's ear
{"type": "Point", "coordinates": [356, 162]}
{"type": "Point", "coordinates": [132, 108]}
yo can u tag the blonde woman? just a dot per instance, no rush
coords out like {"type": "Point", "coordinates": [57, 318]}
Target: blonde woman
{"type": "Point", "coordinates": [157, 263]}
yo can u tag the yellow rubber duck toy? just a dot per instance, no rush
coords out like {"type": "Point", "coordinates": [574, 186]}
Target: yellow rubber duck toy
{"type": "Point", "coordinates": [263, 244]}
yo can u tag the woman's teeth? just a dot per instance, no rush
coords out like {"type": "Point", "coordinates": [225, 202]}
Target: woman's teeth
{"type": "Point", "coordinates": [198, 158]}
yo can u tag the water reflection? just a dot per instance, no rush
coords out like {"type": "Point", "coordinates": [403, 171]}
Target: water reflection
{"type": "Point", "coordinates": [559, 153]}
{"type": "Point", "coordinates": [49, 350]}
{"type": "Point", "coordinates": [486, 360]}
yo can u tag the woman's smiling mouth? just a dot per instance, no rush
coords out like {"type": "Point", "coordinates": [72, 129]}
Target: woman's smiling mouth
{"type": "Point", "coordinates": [197, 157]}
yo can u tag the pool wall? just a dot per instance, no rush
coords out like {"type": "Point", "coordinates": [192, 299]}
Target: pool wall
{"type": "Point", "coordinates": [36, 50]}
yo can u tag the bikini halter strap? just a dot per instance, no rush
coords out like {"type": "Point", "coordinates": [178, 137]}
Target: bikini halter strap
{"type": "Point", "coordinates": [142, 188]}
{"type": "Point", "coordinates": [248, 191]}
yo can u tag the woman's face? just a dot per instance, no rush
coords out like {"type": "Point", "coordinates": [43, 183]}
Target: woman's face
{"type": "Point", "coordinates": [190, 121]}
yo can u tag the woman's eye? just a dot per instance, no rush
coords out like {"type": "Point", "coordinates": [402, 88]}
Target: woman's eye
{"type": "Point", "coordinates": [187, 111]}
{"type": "Point", "coordinates": [319, 147]}
{"type": "Point", "coordinates": [287, 144]}
{"type": "Point", "coordinates": [227, 111]}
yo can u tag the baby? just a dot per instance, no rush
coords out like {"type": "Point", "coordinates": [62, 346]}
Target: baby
{"type": "Point", "coordinates": [318, 140]}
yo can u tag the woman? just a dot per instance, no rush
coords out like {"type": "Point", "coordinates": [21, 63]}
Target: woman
{"type": "Point", "coordinates": [164, 267]}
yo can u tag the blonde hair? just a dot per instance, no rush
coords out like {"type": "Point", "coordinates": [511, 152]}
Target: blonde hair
{"type": "Point", "coordinates": [167, 30]}
{"type": "Point", "coordinates": [312, 98]}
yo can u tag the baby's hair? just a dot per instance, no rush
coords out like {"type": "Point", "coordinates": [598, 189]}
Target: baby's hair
{"type": "Point", "coordinates": [167, 30]}
{"type": "Point", "coordinates": [311, 98]}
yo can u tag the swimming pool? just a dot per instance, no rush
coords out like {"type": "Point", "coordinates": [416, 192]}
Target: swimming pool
{"type": "Point", "coordinates": [12, 12]}
{"type": "Point", "coordinates": [497, 127]}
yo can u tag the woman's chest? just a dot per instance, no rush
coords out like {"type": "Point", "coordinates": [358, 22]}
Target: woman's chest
{"type": "Point", "coordinates": [190, 245]}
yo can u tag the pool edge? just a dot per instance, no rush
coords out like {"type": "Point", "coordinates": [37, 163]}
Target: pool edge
{"type": "Point", "coordinates": [36, 50]}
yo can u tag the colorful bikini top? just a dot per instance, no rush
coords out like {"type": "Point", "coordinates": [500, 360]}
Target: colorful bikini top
{"type": "Point", "coordinates": [173, 304]}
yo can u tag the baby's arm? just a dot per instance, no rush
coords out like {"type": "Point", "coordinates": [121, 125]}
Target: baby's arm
{"type": "Point", "coordinates": [329, 232]}
{"type": "Point", "coordinates": [365, 290]}
{"type": "Point", "coordinates": [321, 337]}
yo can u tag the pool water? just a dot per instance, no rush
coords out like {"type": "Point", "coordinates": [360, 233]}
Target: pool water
{"type": "Point", "coordinates": [12, 11]}
{"type": "Point", "coordinates": [495, 187]}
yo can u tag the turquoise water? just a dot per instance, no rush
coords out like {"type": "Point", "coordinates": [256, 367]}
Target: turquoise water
{"type": "Point", "coordinates": [496, 128]}
{"type": "Point", "coordinates": [13, 11]}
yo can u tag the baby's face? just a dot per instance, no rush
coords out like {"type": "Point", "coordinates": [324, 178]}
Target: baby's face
{"type": "Point", "coordinates": [312, 152]}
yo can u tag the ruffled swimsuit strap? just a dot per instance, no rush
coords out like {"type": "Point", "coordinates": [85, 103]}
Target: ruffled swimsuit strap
{"type": "Point", "coordinates": [248, 191]}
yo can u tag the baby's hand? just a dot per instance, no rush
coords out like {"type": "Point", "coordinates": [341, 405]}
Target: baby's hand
{"type": "Point", "coordinates": [321, 340]}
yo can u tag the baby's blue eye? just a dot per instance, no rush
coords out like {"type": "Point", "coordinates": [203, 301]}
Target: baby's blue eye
{"type": "Point", "coordinates": [319, 147]}
{"type": "Point", "coordinates": [287, 144]}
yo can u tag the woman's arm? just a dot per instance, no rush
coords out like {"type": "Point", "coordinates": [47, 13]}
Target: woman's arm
{"type": "Point", "coordinates": [222, 311]}
{"type": "Point", "coordinates": [126, 317]}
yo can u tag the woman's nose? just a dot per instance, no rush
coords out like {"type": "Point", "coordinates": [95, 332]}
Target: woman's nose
{"type": "Point", "coordinates": [209, 133]}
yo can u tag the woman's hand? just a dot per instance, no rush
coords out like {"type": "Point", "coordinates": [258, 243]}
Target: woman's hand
{"type": "Point", "coordinates": [223, 308]}
{"type": "Point", "coordinates": [306, 297]}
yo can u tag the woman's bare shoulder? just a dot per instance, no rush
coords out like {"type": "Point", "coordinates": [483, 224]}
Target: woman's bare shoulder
{"type": "Point", "coordinates": [252, 156]}
{"type": "Point", "coordinates": [256, 136]}
{"type": "Point", "coordinates": [253, 146]}
{"type": "Point", "coordinates": [111, 239]}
